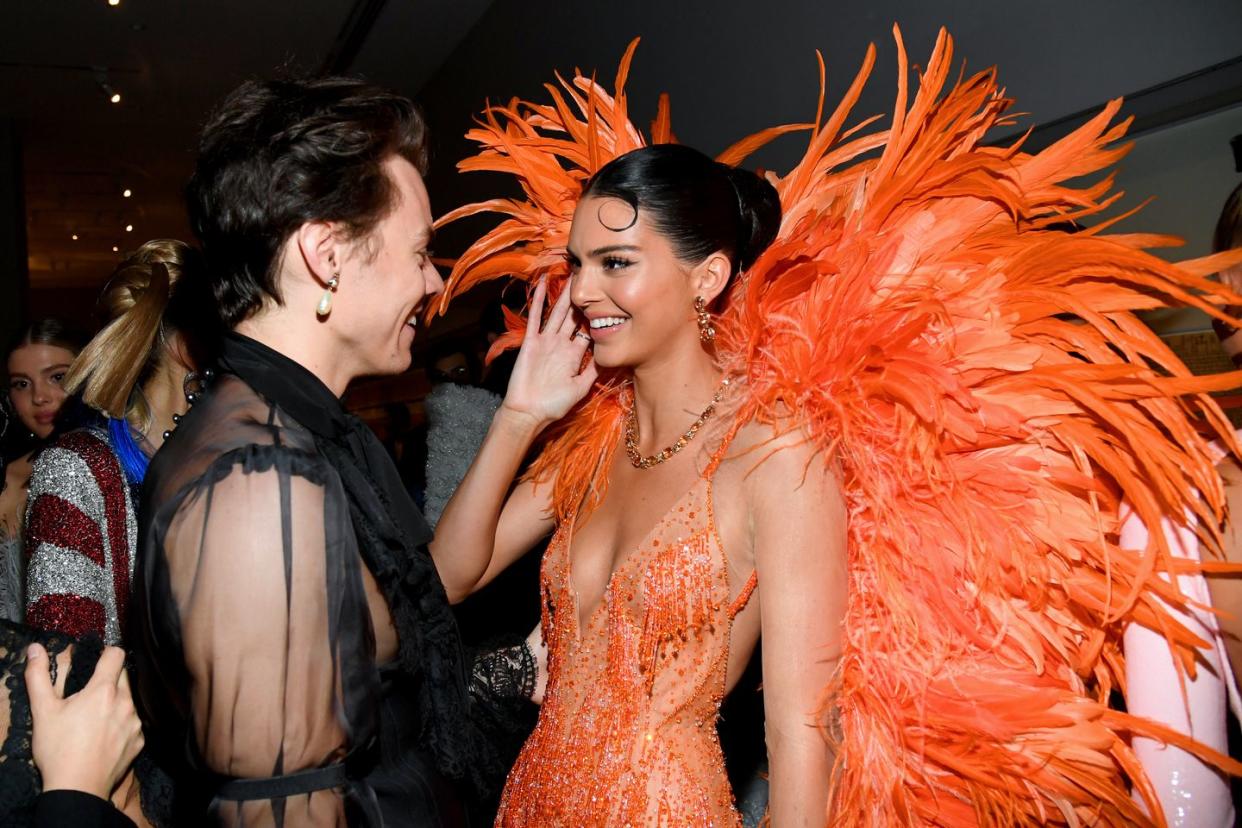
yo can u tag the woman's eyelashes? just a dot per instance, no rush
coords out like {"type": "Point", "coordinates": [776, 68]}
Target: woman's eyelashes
{"type": "Point", "coordinates": [607, 263]}
{"type": "Point", "coordinates": [615, 263]}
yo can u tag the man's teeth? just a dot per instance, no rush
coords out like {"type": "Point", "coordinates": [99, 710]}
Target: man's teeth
{"type": "Point", "coordinates": [413, 321]}
{"type": "Point", "coordinates": [607, 322]}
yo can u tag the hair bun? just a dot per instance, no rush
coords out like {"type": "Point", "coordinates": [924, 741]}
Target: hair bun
{"type": "Point", "coordinates": [759, 212]}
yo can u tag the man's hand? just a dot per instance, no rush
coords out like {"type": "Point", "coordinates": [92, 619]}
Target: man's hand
{"type": "Point", "coordinates": [87, 741]}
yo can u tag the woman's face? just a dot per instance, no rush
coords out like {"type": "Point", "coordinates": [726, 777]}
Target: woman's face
{"type": "Point", "coordinates": [636, 296]}
{"type": "Point", "coordinates": [35, 374]}
{"type": "Point", "coordinates": [387, 279]}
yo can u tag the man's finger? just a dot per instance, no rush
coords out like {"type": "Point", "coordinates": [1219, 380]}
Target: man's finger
{"type": "Point", "coordinates": [38, 679]}
{"type": "Point", "coordinates": [110, 669]}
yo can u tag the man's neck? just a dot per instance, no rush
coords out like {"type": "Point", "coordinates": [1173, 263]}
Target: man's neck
{"type": "Point", "coordinates": [303, 339]}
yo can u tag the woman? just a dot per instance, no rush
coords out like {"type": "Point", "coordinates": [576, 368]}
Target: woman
{"type": "Point", "coordinates": [902, 346]}
{"type": "Point", "coordinates": [1192, 791]}
{"type": "Point", "coordinates": [668, 557]}
{"type": "Point", "coordinates": [1227, 591]}
{"type": "Point", "coordinates": [298, 662]}
{"type": "Point", "coordinates": [36, 368]}
{"type": "Point", "coordinates": [136, 379]}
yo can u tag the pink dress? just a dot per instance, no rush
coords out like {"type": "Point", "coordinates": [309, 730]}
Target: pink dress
{"type": "Point", "coordinates": [1192, 794]}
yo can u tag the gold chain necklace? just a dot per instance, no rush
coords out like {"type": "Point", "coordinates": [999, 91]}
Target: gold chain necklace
{"type": "Point", "coordinates": [631, 433]}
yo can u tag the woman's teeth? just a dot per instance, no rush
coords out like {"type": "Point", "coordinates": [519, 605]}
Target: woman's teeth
{"type": "Point", "coordinates": [607, 322]}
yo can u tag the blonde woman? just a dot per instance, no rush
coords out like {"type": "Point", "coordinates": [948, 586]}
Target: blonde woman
{"type": "Point", "coordinates": [136, 379]}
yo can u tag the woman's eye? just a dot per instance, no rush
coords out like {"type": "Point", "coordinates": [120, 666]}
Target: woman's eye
{"type": "Point", "coordinates": [18, 385]}
{"type": "Point", "coordinates": [615, 263]}
{"type": "Point", "coordinates": [59, 377]}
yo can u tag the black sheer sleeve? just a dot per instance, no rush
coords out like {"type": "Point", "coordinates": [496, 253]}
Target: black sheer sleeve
{"type": "Point", "coordinates": [254, 640]}
{"type": "Point", "coordinates": [265, 594]}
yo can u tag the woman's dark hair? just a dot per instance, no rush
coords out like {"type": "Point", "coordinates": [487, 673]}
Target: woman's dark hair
{"type": "Point", "coordinates": [698, 204]}
{"type": "Point", "coordinates": [278, 154]}
{"type": "Point", "coordinates": [15, 442]}
{"type": "Point", "coordinates": [48, 331]}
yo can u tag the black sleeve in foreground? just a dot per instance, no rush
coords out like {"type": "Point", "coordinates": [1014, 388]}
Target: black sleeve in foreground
{"type": "Point", "coordinates": [75, 809]}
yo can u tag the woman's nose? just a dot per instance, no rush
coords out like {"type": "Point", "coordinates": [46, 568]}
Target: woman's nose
{"type": "Point", "coordinates": [581, 289]}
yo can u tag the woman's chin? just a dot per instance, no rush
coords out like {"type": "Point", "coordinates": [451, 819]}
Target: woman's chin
{"type": "Point", "coordinates": [608, 358]}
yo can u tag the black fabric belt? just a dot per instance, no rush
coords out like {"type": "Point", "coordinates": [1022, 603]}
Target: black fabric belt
{"type": "Point", "coordinates": [291, 784]}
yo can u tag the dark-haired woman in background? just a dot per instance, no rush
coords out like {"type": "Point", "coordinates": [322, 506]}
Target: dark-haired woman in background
{"type": "Point", "coordinates": [136, 378]}
{"type": "Point", "coordinates": [35, 370]}
{"type": "Point", "coordinates": [651, 606]}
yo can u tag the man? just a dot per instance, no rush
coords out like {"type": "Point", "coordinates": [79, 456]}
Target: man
{"type": "Point", "coordinates": [297, 652]}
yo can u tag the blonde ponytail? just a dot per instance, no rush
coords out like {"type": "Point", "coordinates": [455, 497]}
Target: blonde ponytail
{"type": "Point", "coordinates": [132, 305]}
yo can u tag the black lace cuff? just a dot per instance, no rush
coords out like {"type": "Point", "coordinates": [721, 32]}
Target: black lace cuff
{"type": "Point", "coordinates": [503, 676]}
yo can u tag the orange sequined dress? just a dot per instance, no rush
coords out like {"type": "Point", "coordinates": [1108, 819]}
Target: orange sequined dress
{"type": "Point", "coordinates": [627, 733]}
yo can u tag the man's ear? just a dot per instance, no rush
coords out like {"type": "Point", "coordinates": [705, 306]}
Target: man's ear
{"type": "Point", "coordinates": [321, 250]}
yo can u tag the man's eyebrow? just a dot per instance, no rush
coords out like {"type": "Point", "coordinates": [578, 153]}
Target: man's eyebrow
{"type": "Point", "coordinates": [424, 238]}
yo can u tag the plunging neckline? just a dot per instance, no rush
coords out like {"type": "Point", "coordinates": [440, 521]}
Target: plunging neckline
{"type": "Point", "coordinates": [633, 553]}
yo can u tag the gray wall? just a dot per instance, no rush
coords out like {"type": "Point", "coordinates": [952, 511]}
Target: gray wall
{"type": "Point", "coordinates": [732, 67]}
{"type": "Point", "coordinates": [1189, 170]}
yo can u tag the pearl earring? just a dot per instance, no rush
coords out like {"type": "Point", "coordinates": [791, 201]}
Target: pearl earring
{"type": "Point", "coordinates": [325, 302]}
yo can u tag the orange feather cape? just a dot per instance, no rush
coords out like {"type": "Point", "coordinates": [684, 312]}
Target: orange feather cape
{"type": "Point", "coordinates": [992, 399]}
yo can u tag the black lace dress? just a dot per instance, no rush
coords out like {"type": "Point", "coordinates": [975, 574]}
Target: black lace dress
{"type": "Point", "coordinates": [21, 803]}
{"type": "Point", "coordinates": [277, 545]}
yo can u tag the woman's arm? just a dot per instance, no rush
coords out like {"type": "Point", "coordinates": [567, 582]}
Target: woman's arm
{"type": "Point", "coordinates": [799, 528]}
{"type": "Point", "coordinates": [484, 528]}
{"type": "Point", "coordinates": [73, 553]}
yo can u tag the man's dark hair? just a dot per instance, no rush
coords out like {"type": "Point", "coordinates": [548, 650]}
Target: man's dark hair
{"type": "Point", "coordinates": [277, 154]}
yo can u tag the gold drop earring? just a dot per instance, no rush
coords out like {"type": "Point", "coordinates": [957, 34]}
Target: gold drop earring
{"type": "Point", "coordinates": [325, 302]}
{"type": "Point", "coordinates": [707, 331]}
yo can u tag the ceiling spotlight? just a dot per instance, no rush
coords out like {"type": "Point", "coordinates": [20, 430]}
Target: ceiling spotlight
{"type": "Point", "coordinates": [126, 193]}
{"type": "Point", "coordinates": [116, 249]}
{"type": "Point", "coordinates": [75, 236]}
{"type": "Point", "coordinates": [101, 79]}
{"type": "Point", "coordinates": [114, 2]}
{"type": "Point", "coordinates": [129, 228]}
